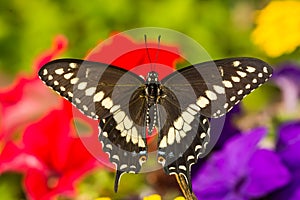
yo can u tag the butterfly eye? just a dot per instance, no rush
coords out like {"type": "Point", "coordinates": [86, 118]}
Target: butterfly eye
{"type": "Point", "coordinates": [161, 160]}
{"type": "Point", "coordinates": [142, 159]}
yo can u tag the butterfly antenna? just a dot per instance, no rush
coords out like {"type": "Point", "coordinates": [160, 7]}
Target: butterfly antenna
{"type": "Point", "coordinates": [158, 48]}
{"type": "Point", "coordinates": [151, 65]}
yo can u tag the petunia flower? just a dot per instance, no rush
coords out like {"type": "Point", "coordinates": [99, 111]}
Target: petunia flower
{"type": "Point", "coordinates": [278, 27]}
{"type": "Point", "coordinates": [27, 99]}
{"type": "Point", "coordinates": [151, 197]}
{"type": "Point", "coordinates": [51, 155]}
{"type": "Point", "coordinates": [288, 148]}
{"type": "Point", "coordinates": [229, 130]}
{"type": "Point", "coordinates": [241, 170]}
{"type": "Point", "coordinates": [124, 52]}
{"type": "Point", "coordinates": [287, 78]}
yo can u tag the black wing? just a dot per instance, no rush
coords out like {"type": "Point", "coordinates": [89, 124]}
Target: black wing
{"type": "Point", "coordinates": [190, 95]}
{"type": "Point", "coordinates": [183, 135]}
{"type": "Point", "coordinates": [105, 92]}
{"type": "Point", "coordinates": [217, 85]}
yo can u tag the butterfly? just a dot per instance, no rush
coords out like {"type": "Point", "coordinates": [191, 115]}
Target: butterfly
{"type": "Point", "coordinates": [178, 106]}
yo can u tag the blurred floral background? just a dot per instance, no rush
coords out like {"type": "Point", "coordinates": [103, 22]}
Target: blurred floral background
{"type": "Point", "coordinates": [257, 155]}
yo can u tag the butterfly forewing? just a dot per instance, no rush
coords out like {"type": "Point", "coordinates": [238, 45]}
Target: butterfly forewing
{"type": "Point", "coordinates": [218, 85]}
{"type": "Point", "coordinates": [105, 92]}
{"type": "Point", "coordinates": [91, 86]}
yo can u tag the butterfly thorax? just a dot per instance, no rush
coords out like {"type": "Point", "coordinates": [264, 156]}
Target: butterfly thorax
{"type": "Point", "coordinates": [153, 93]}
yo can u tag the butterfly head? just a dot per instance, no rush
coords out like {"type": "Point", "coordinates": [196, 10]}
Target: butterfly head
{"type": "Point", "coordinates": [152, 77]}
{"type": "Point", "coordinates": [152, 85]}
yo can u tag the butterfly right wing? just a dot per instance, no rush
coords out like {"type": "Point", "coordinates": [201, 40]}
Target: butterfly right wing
{"type": "Point", "coordinates": [103, 92]}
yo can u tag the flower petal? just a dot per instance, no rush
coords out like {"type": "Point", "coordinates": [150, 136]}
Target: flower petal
{"type": "Point", "coordinates": [287, 78]}
{"type": "Point", "coordinates": [282, 38]}
{"type": "Point", "coordinates": [123, 52]}
{"type": "Point", "coordinates": [266, 173]}
{"type": "Point", "coordinates": [28, 98]}
{"type": "Point", "coordinates": [288, 144]}
{"type": "Point", "coordinates": [224, 169]}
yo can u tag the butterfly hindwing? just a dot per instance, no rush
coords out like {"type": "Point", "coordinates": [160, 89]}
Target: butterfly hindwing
{"type": "Point", "coordinates": [218, 85]}
{"type": "Point", "coordinates": [183, 136]}
{"type": "Point", "coordinates": [123, 142]}
{"type": "Point", "coordinates": [105, 92]}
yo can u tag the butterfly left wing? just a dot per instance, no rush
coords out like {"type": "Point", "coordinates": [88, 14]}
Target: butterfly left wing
{"type": "Point", "coordinates": [190, 95]}
{"type": "Point", "coordinates": [104, 92]}
{"type": "Point", "coordinates": [216, 86]}
{"type": "Point", "coordinates": [183, 136]}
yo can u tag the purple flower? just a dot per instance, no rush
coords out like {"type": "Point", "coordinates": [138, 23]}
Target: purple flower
{"type": "Point", "coordinates": [229, 130]}
{"type": "Point", "coordinates": [240, 170]}
{"type": "Point", "coordinates": [288, 148]}
{"type": "Point", "coordinates": [287, 77]}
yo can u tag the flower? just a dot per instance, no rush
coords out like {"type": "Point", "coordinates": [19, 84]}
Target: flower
{"type": "Point", "coordinates": [241, 170]}
{"type": "Point", "coordinates": [287, 78]}
{"type": "Point", "coordinates": [51, 155]}
{"type": "Point", "coordinates": [229, 130]}
{"type": "Point", "coordinates": [288, 148]}
{"type": "Point", "coordinates": [129, 54]}
{"type": "Point", "coordinates": [45, 153]}
{"type": "Point", "coordinates": [278, 27]}
{"type": "Point", "coordinates": [151, 197]}
{"type": "Point", "coordinates": [27, 99]}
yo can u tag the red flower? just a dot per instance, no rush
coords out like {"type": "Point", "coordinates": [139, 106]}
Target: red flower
{"type": "Point", "coordinates": [123, 52]}
{"type": "Point", "coordinates": [51, 155]}
{"type": "Point", "coordinates": [27, 99]}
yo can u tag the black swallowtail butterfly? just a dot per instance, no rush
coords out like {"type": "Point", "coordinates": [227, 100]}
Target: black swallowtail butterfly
{"type": "Point", "coordinates": [127, 105]}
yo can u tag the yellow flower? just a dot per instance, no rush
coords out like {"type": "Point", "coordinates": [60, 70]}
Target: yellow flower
{"type": "Point", "coordinates": [157, 197]}
{"type": "Point", "coordinates": [278, 28]}
{"type": "Point", "coordinates": [151, 197]}
{"type": "Point", "coordinates": [179, 198]}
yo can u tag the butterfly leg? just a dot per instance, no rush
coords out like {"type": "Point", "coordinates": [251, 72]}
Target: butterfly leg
{"type": "Point", "coordinates": [186, 190]}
